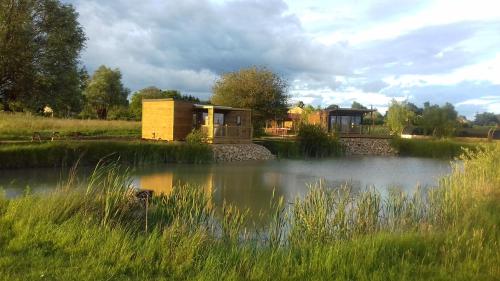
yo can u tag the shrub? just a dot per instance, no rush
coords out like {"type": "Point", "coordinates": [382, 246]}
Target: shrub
{"type": "Point", "coordinates": [314, 141]}
{"type": "Point", "coordinates": [195, 137]}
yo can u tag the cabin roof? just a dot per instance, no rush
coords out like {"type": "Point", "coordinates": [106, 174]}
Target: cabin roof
{"type": "Point", "coordinates": [349, 110]}
{"type": "Point", "coordinates": [199, 106]}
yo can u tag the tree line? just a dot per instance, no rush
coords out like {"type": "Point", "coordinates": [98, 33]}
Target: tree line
{"type": "Point", "coordinates": [40, 67]}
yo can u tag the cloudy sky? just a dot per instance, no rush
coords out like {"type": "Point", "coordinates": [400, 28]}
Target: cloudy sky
{"type": "Point", "coordinates": [331, 52]}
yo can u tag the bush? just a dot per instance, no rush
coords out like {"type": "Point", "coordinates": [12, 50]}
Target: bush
{"type": "Point", "coordinates": [314, 141]}
{"type": "Point", "coordinates": [196, 137]}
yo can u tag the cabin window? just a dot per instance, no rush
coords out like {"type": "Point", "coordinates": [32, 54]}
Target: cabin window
{"type": "Point", "coordinates": [194, 120]}
{"type": "Point", "coordinates": [238, 120]}
{"type": "Point", "coordinates": [218, 118]}
{"type": "Point", "coordinates": [205, 118]}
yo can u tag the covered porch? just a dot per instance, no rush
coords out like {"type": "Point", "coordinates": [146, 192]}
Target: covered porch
{"type": "Point", "coordinates": [222, 124]}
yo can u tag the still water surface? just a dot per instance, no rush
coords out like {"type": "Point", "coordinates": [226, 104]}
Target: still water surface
{"type": "Point", "coordinates": [251, 184]}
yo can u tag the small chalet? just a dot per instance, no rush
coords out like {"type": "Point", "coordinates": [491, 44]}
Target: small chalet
{"type": "Point", "coordinates": [341, 120]}
{"type": "Point", "coordinates": [172, 120]}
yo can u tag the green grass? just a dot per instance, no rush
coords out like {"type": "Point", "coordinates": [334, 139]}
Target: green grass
{"type": "Point", "coordinates": [103, 233]}
{"type": "Point", "coordinates": [433, 148]}
{"type": "Point", "coordinates": [21, 126]}
{"type": "Point", "coordinates": [67, 153]}
{"type": "Point", "coordinates": [291, 148]}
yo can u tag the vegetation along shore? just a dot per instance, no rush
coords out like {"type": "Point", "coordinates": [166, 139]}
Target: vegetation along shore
{"type": "Point", "coordinates": [104, 232]}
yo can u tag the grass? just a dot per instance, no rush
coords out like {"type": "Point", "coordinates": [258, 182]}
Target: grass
{"type": "Point", "coordinates": [433, 148]}
{"type": "Point", "coordinates": [104, 232]}
{"type": "Point", "coordinates": [21, 126]}
{"type": "Point", "coordinates": [67, 153]}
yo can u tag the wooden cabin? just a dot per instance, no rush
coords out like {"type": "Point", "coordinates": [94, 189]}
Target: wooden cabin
{"type": "Point", "coordinates": [173, 120]}
{"type": "Point", "coordinates": [341, 120]}
{"type": "Point", "coordinates": [288, 125]}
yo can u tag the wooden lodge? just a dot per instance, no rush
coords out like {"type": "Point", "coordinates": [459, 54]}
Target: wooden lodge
{"type": "Point", "coordinates": [173, 120]}
{"type": "Point", "coordinates": [344, 121]}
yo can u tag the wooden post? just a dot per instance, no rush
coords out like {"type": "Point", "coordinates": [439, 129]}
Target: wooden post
{"type": "Point", "coordinates": [210, 134]}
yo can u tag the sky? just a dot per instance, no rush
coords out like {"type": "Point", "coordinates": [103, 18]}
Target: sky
{"type": "Point", "coordinates": [330, 51]}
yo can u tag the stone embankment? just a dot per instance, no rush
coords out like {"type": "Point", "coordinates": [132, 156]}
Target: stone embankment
{"type": "Point", "coordinates": [240, 152]}
{"type": "Point", "coordinates": [367, 146]}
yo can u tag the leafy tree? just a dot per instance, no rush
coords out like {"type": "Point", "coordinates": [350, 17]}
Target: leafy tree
{"type": "Point", "coordinates": [40, 43]}
{"type": "Point", "coordinates": [439, 121]}
{"type": "Point", "coordinates": [486, 119]}
{"type": "Point", "coordinates": [154, 93]}
{"type": "Point", "coordinates": [257, 88]}
{"type": "Point", "coordinates": [300, 104]}
{"type": "Point", "coordinates": [417, 110]}
{"type": "Point", "coordinates": [105, 89]}
{"type": "Point", "coordinates": [378, 118]}
{"type": "Point", "coordinates": [399, 116]}
{"type": "Point", "coordinates": [357, 105]}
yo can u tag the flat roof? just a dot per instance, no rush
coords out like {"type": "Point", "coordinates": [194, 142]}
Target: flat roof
{"type": "Point", "coordinates": [221, 107]}
{"type": "Point", "coordinates": [350, 110]}
{"type": "Point", "coordinates": [200, 106]}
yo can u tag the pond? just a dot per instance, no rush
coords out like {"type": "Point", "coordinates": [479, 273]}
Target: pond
{"type": "Point", "coordinates": [250, 185]}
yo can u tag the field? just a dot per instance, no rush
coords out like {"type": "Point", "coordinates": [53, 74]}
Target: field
{"type": "Point", "coordinates": [434, 148]}
{"type": "Point", "coordinates": [21, 126]}
{"type": "Point", "coordinates": [104, 232]}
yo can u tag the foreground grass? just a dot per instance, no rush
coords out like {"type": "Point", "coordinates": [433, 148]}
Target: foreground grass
{"type": "Point", "coordinates": [104, 233]}
{"type": "Point", "coordinates": [66, 153]}
{"type": "Point", "coordinates": [21, 126]}
{"type": "Point", "coordinates": [432, 148]}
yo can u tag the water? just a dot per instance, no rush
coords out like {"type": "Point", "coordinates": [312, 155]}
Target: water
{"type": "Point", "coordinates": [250, 185]}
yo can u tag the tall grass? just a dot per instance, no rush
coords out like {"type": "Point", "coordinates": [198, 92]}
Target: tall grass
{"type": "Point", "coordinates": [55, 154]}
{"type": "Point", "coordinates": [105, 232]}
{"type": "Point", "coordinates": [18, 126]}
{"type": "Point", "coordinates": [433, 148]}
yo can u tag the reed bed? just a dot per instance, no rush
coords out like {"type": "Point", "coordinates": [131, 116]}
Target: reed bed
{"type": "Point", "coordinates": [432, 148]}
{"type": "Point", "coordinates": [105, 232]}
{"type": "Point", "coordinates": [21, 126]}
{"type": "Point", "coordinates": [89, 153]}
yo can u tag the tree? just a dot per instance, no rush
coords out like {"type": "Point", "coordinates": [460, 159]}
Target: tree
{"type": "Point", "coordinates": [154, 93]}
{"type": "Point", "coordinates": [40, 43]}
{"type": "Point", "coordinates": [357, 105]}
{"type": "Point", "coordinates": [486, 119]}
{"type": "Point", "coordinates": [399, 116]}
{"type": "Point", "coordinates": [439, 121]}
{"type": "Point", "coordinates": [300, 104]}
{"type": "Point", "coordinates": [257, 88]}
{"type": "Point", "coordinates": [105, 89]}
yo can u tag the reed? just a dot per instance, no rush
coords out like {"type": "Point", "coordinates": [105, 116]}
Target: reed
{"type": "Point", "coordinates": [433, 148]}
{"type": "Point", "coordinates": [103, 231]}
{"type": "Point", "coordinates": [89, 153]}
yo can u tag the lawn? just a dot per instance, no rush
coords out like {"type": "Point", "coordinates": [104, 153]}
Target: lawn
{"type": "Point", "coordinates": [21, 126]}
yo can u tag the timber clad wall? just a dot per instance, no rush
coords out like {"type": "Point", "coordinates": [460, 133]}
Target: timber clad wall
{"type": "Point", "coordinates": [183, 119]}
{"type": "Point", "coordinates": [244, 115]}
{"type": "Point", "coordinates": [157, 119]}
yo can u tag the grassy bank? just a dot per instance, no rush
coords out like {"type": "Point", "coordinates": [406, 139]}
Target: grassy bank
{"type": "Point", "coordinates": [19, 126]}
{"type": "Point", "coordinates": [447, 148]}
{"type": "Point", "coordinates": [103, 233]}
{"type": "Point", "coordinates": [67, 153]}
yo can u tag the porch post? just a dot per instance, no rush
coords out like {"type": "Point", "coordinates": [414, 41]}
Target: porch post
{"type": "Point", "coordinates": [210, 123]}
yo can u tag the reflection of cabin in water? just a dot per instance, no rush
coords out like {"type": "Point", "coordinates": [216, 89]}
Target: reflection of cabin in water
{"type": "Point", "coordinates": [341, 120]}
{"type": "Point", "coordinates": [169, 119]}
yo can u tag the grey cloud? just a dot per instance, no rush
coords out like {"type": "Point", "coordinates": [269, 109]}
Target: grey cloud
{"type": "Point", "coordinates": [416, 52]}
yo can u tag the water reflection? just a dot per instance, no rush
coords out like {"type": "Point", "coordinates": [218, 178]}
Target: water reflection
{"type": "Point", "coordinates": [250, 185]}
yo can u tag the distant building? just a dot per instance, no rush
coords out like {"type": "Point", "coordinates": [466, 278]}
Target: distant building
{"type": "Point", "coordinates": [341, 120]}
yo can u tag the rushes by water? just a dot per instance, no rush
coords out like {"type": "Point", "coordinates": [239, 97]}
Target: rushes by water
{"type": "Point", "coordinates": [104, 232]}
